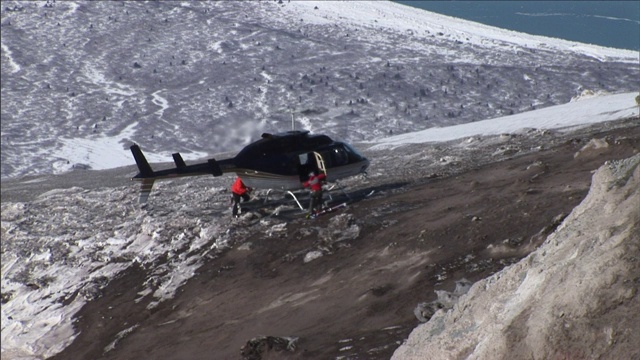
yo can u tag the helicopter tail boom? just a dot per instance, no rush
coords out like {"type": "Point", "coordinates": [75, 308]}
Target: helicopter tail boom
{"type": "Point", "coordinates": [147, 176]}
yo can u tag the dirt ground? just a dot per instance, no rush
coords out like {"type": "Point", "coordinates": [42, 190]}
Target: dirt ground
{"type": "Point", "coordinates": [358, 300]}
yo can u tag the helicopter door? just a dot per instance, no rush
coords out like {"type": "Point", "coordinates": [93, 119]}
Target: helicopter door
{"type": "Point", "coordinates": [320, 162]}
{"type": "Point", "coordinates": [305, 165]}
{"type": "Point", "coordinates": [312, 161]}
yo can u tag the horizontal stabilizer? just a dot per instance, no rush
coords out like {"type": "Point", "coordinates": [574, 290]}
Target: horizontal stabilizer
{"type": "Point", "coordinates": [180, 164]}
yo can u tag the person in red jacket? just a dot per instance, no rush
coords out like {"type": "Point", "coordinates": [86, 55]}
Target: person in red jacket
{"type": "Point", "coordinates": [239, 191]}
{"type": "Point", "coordinates": [315, 184]}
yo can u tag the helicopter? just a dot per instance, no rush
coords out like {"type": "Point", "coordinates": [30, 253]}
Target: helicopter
{"type": "Point", "coordinates": [281, 161]}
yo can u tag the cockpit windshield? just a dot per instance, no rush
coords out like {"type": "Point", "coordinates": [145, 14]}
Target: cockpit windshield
{"type": "Point", "coordinates": [353, 154]}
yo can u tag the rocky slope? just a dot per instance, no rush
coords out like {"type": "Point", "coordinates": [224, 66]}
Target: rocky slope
{"type": "Point", "coordinates": [256, 283]}
{"type": "Point", "coordinates": [575, 297]}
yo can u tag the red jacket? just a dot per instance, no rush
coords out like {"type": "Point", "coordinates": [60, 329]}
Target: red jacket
{"type": "Point", "coordinates": [238, 187]}
{"type": "Point", "coordinates": [315, 182]}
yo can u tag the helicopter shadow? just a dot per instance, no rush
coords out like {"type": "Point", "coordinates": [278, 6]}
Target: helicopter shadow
{"type": "Point", "coordinates": [375, 191]}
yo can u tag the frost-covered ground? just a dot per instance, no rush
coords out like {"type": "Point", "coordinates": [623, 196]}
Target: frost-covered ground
{"type": "Point", "coordinates": [81, 81]}
{"type": "Point", "coordinates": [375, 73]}
{"type": "Point", "coordinates": [62, 244]}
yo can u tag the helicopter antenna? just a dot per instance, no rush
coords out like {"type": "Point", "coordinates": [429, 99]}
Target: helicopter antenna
{"type": "Point", "coordinates": [293, 122]}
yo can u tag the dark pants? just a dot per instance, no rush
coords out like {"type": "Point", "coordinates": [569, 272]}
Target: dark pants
{"type": "Point", "coordinates": [315, 202]}
{"type": "Point", "coordinates": [236, 202]}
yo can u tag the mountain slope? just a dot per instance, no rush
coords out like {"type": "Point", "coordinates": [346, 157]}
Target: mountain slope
{"type": "Point", "coordinates": [76, 248]}
{"type": "Point", "coordinates": [347, 284]}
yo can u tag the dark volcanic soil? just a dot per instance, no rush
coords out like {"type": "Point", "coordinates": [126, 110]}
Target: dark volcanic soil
{"type": "Point", "coordinates": [356, 301]}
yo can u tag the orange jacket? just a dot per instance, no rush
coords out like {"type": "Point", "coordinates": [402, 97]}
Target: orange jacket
{"type": "Point", "coordinates": [238, 187]}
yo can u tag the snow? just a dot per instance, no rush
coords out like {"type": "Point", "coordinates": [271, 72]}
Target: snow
{"type": "Point", "coordinates": [73, 269]}
{"type": "Point", "coordinates": [6, 52]}
{"type": "Point", "coordinates": [583, 111]}
{"type": "Point", "coordinates": [105, 152]}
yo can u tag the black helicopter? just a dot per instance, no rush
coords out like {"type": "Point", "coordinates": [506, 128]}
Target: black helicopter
{"type": "Point", "coordinates": [280, 161]}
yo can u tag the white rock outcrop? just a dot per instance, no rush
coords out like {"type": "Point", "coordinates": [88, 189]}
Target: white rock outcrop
{"type": "Point", "coordinates": [575, 297]}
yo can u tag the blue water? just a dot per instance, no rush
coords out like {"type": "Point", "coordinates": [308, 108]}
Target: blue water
{"type": "Point", "coordinates": [614, 24]}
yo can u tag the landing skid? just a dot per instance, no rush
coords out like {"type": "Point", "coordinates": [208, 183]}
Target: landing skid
{"type": "Point", "coordinates": [288, 192]}
{"type": "Point", "coordinates": [295, 198]}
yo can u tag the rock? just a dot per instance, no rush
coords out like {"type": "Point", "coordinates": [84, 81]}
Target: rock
{"type": "Point", "coordinates": [341, 228]}
{"type": "Point", "coordinates": [446, 300]}
{"type": "Point", "coordinates": [312, 255]}
{"type": "Point", "coordinates": [591, 146]}
{"type": "Point", "coordinates": [255, 348]}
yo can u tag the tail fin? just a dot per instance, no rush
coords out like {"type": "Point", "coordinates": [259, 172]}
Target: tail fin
{"type": "Point", "coordinates": [143, 165]}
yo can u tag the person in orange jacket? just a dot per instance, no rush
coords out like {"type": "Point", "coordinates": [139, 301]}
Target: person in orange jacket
{"type": "Point", "coordinates": [239, 191]}
{"type": "Point", "coordinates": [315, 184]}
